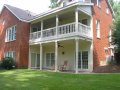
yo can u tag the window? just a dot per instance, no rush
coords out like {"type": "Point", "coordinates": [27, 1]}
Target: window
{"type": "Point", "coordinates": [11, 34]}
{"type": "Point", "coordinates": [10, 54]}
{"type": "Point", "coordinates": [85, 21]}
{"type": "Point", "coordinates": [50, 59]}
{"type": "Point", "coordinates": [35, 60]}
{"type": "Point", "coordinates": [83, 60]}
{"type": "Point", "coordinates": [107, 10]}
{"type": "Point", "coordinates": [98, 3]}
{"type": "Point", "coordinates": [110, 36]}
{"type": "Point", "coordinates": [35, 29]}
{"type": "Point", "coordinates": [98, 28]}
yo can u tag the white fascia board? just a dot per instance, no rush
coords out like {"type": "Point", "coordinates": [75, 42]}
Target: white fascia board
{"type": "Point", "coordinates": [58, 9]}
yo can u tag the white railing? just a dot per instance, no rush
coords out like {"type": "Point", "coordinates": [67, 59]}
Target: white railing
{"type": "Point", "coordinates": [87, 1]}
{"type": "Point", "coordinates": [84, 1]}
{"type": "Point", "coordinates": [62, 30]}
{"type": "Point", "coordinates": [35, 35]}
{"type": "Point", "coordinates": [49, 32]}
{"type": "Point", "coordinates": [84, 29]}
{"type": "Point", "coordinates": [66, 29]}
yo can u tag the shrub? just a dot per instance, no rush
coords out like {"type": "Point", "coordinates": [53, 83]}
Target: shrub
{"type": "Point", "coordinates": [8, 63]}
{"type": "Point", "coordinates": [0, 65]}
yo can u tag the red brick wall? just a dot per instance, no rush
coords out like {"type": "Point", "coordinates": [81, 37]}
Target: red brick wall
{"type": "Point", "coordinates": [20, 45]}
{"type": "Point", "coordinates": [105, 22]}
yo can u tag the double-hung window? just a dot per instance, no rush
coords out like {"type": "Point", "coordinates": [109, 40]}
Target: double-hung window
{"type": "Point", "coordinates": [98, 3]}
{"type": "Point", "coordinates": [97, 28]}
{"type": "Point", "coordinates": [107, 10]}
{"type": "Point", "coordinates": [10, 54]}
{"type": "Point", "coordinates": [11, 34]}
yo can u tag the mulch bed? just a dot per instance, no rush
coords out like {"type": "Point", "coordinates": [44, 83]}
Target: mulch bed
{"type": "Point", "coordinates": [107, 69]}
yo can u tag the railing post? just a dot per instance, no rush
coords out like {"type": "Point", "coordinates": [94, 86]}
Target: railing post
{"type": "Point", "coordinates": [57, 23]}
{"type": "Point", "coordinates": [76, 21]}
{"type": "Point", "coordinates": [41, 29]}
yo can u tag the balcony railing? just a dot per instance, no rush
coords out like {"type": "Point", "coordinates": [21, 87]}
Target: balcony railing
{"type": "Point", "coordinates": [83, 1]}
{"type": "Point", "coordinates": [62, 31]}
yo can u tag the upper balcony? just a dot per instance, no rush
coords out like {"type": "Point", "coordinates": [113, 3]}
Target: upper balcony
{"type": "Point", "coordinates": [62, 31]}
{"type": "Point", "coordinates": [67, 23]}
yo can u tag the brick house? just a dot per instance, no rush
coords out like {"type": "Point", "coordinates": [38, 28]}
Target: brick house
{"type": "Point", "coordinates": [73, 36]}
{"type": "Point", "coordinates": [14, 34]}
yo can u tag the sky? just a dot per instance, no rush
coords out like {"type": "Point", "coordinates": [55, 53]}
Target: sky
{"type": "Point", "coordinates": [35, 6]}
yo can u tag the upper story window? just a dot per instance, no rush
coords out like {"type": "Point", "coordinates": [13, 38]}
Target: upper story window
{"type": "Point", "coordinates": [110, 36]}
{"type": "Point", "coordinates": [107, 10]}
{"type": "Point", "coordinates": [98, 28]}
{"type": "Point", "coordinates": [10, 54]}
{"type": "Point", "coordinates": [35, 29]}
{"type": "Point", "coordinates": [98, 3]}
{"type": "Point", "coordinates": [70, 0]}
{"type": "Point", "coordinates": [10, 34]}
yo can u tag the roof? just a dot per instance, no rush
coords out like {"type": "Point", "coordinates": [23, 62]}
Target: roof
{"type": "Point", "coordinates": [23, 15]}
{"type": "Point", "coordinates": [55, 10]}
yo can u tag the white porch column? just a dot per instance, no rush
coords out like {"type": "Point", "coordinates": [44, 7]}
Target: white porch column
{"type": "Point", "coordinates": [56, 56]}
{"type": "Point", "coordinates": [57, 23]}
{"type": "Point", "coordinates": [29, 63]}
{"type": "Point", "coordinates": [91, 58]}
{"type": "Point", "coordinates": [76, 51]}
{"type": "Point", "coordinates": [76, 21]}
{"type": "Point", "coordinates": [41, 29]}
{"type": "Point", "coordinates": [41, 53]}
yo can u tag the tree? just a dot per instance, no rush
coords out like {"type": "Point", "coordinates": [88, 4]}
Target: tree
{"type": "Point", "coordinates": [53, 4]}
{"type": "Point", "coordinates": [116, 29]}
{"type": "Point", "coordinates": [116, 7]}
{"type": "Point", "coordinates": [116, 33]}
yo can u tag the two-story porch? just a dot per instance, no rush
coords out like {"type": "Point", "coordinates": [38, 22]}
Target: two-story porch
{"type": "Point", "coordinates": [63, 36]}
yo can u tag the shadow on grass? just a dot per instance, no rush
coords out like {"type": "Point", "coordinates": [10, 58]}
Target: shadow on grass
{"type": "Point", "coordinates": [42, 80]}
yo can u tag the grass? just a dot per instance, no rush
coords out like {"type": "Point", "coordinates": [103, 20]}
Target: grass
{"type": "Point", "coordinates": [43, 80]}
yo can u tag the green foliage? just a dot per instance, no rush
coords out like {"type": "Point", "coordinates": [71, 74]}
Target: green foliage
{"type": "Point", "coordinates": [116, 24]}
{"type": "Point", "coordinates": [116, 33]}
{"type": "Point", "coordinates": [0, 65]}
{"type": "Point", "coordinates": [8, 63]}
{"type": "Point", "coordinates": [116, 7]}
{"type": "Point", "coordinates": [54, 4]}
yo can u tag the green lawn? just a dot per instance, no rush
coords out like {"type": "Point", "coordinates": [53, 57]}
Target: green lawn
{"type": "Point", "coordinates": [43, 80]}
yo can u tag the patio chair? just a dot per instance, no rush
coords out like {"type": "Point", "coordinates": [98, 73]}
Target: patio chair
{"type": "Point", "coordinates": [64, 66]}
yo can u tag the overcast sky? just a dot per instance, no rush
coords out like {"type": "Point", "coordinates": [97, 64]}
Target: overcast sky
{"type": "Point", "coordinates": [36, 6]}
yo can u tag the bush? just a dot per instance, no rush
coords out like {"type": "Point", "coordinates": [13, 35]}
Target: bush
{"type": "Point", "coordinates": [8, 63]}
{"type": "Point", "coordinates": [0, 65]}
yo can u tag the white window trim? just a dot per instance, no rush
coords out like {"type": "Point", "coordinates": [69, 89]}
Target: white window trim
{"type": "Point", "coordinates": [50, 59]}
{"type": "Point", "coordinates": [107, 10]}
{"type": "Point", "coordinates": [10, 34]}
{"type": "Point", "coordinates": [98, 3]}
{"type": "Point", "coordinates": [98, 29]}
{"type": "Point", "coordinates": [10, 54]}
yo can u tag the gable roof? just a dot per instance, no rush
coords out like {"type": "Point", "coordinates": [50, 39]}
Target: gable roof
{"type": "Point", "coordinates": [23, 15]}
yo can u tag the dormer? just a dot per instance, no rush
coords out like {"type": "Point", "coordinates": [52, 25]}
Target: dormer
{"type": "Point", "coordinates": [66, 2]}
